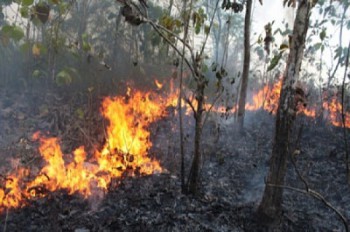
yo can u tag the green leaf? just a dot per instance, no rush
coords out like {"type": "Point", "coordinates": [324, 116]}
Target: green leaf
{"type": "Point", "coordinates": [24, 12]}
{"type": "Point", "coordinates": [178, 23]}
{"type": "Point", "coordinates": [36, 73]}
{"type": "Point", "coordinates": [205, 68]}
{"type": "Point", "coordinates": [66, 76]}
{"type": "Point", "coordinates": [323, 34]}
{"type": "Point", "coordinates": [63, 78]}
{"type": "Point", "coordinates": [197, 29]}
{"type": "Point", "coordinates": [194, 18]}
{"type": "Point", "coordinates": [274, 61]}
{"type": "Point", "coordinates": [317, 46]}
{"type": "Point", "coordinates": [86, 46]}
{"type": "Point", "coordinates": [17, 33]}
{"type": "Point", "coordinates": [27, 2]}
{"type": "Point", "coordinates": [62, 7]}
{"type": "Point", "coordinates": [6, 29]}
{"type": "Point", "coordinates": [25, 47]}
{"type": "Point", "coordinates": [14, 32]}
{"type": "Point", "coordinates": [206, 29]}
{"type": "Point", "coordinates": [338, 52]}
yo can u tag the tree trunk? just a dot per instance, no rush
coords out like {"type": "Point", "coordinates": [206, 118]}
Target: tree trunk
{"type": "Point", "coordinates": [245, 74]}
{"type": "Point", "coordinates": [194, 172]}
{"type": "Point", "coordinates": [270, 207]}
{"type": "Point", "coordinates": [182, 146]}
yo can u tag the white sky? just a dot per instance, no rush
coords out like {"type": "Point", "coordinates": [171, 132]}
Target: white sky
{"type": "Point", "coordinates": [274, 10]}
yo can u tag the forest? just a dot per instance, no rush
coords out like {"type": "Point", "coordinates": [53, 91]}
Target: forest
{"type": "Point", "coordinates": [191, 115]}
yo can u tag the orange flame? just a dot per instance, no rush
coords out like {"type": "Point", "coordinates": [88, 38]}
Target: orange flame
{"type": "Point", "coordinates": [125, 152]}
{"type": "Point", "coordinates": [158, 84]}
{"type": "Point", "coordinates": [334, 109]}
{"type": "Point", "coordinates": [266, 98]}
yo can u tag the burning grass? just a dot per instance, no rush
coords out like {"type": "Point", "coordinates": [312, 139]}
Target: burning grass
{"type": "Point", "coordinates": [125, 151]}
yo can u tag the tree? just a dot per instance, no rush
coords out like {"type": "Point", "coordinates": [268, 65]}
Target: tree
{"type": "Point", "coordinates": [246, 65]}
{"type": "Point", "coordinates": [271, 205]}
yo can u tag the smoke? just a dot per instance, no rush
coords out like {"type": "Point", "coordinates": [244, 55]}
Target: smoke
{"type": "Point", "coordinates": [254, 187]}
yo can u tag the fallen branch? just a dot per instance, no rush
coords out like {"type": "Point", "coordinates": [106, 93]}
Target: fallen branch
{"type": "Point", "coordinates": [319, 197]}
{"type": "Point", "coordinates": [308, 190]}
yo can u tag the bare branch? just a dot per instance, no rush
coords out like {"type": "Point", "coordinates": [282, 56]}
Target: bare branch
{"type": "Point", "coordinates": [156, 28]}
{"type": "Point", "coordinates": [211, 107]}
{"type": "Point", "coordinates": [192, 107]}
{"type": "Point", "coordinates": [210, 26]}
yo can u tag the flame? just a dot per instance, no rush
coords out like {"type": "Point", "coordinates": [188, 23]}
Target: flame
{"type": "Point", "coordinates": [126, 147]}
{"type": "Point", "coordinates": [124, 153]}
{"type": "Point", "coordinates": [333, 112]}
{"type": "Point", "coordinates": [266, 98]}
{"type": "Point", "coordinates": [158, 84]}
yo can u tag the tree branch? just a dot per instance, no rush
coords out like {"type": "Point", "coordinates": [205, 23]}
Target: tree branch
{"type": "Point", "coordinates": [319, 197]}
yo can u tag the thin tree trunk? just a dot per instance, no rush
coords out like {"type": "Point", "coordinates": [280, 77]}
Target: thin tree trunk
{"type": "Point", "coordinates": [197, 160]}
{"type": "Point", "coordinates": [343, 116]}
{"type": "Point", "coordinates": [270, 207]}
{"type": "Point", "coordinates": [193, 179]}
{"type": "Point", "coordinates": [182, 150]}
{"type": "Point", "coordinates": [246, 65]}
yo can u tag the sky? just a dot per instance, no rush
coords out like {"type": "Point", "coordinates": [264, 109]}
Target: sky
{"type": "Point", "coordinates": [274, 10]}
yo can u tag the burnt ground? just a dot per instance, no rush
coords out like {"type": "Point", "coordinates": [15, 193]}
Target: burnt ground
{"type": "Point", "coordinates": [233, 173]}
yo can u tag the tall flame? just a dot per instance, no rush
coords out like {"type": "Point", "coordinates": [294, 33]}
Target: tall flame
{"type": "Point", "coordinates": [124, 153]}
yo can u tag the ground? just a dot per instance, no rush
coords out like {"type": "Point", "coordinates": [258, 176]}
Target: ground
{"type": "Point", "coordinates": [234, 169]}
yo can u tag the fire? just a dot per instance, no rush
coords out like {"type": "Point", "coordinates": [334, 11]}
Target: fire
{"type": "Point", "coordinates": [124, 153]}
{"type": "Point", "coordinates": [158, 84]}
{"type": "Point", "coordinates": [266, 98]}
{"type": "Point", "coordinates": [126, 147]}
{"type": "Point", "coordinates": [334, 109]}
